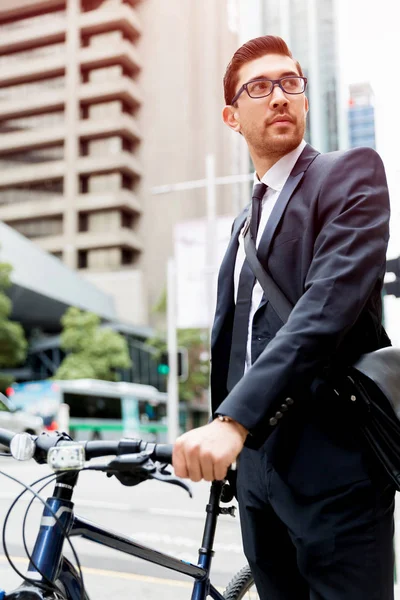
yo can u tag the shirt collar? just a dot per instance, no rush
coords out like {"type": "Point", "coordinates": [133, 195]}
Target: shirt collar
{"type": "Point", "coordinates": [277, 175]}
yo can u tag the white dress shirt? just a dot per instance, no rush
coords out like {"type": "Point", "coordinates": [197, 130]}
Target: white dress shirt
{"type": "Point", "coordinates": [275, 178]}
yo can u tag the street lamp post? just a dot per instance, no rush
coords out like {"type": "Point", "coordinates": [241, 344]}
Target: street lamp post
{"type": "Point", "coordinates": [172, 344]}
{"type": "Point", "coordinates": [209, 183]}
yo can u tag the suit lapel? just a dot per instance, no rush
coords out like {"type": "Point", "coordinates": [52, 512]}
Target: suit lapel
{"type": "Point", "coordinates": [225, 299]}
{"type": "Point", "coordinates": [226, 277]}
{"type": "Point", "coordinates": [292, 182]}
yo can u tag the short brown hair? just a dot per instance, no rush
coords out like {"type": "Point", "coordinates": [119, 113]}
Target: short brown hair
{"type": "Point", "coordinates": [266, 44]}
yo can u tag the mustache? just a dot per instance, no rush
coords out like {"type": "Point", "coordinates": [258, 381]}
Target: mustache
{"type": "Point", "coordinates": [280, 117]}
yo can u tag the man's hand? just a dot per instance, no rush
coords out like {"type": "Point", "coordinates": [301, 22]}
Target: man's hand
{"type": "Point", "coordinates": [207, 452]}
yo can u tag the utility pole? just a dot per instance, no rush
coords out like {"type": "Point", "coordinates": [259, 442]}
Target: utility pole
{"type": "Point", "coordinates": [209, 184]}
{"type": "Point", "coordinates": [172, 342]}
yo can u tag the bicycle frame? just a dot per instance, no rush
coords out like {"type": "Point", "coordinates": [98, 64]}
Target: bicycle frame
{"type": "Point", "coordinates": [51, 565]}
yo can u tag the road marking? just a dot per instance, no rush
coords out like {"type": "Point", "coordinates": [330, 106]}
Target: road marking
{"type": "Point", "coordinates": [85, 503]}
{"type": "Point", "coordinates": [171, 512]}
{"type": "Point", "coordinates": [120, 575]}
{"type": "Point", "coordinates": [164, 512]}
{"type": "Point", "coordinates": [164, 538]}
{"type": "Point", "coordinates": [187, 514]}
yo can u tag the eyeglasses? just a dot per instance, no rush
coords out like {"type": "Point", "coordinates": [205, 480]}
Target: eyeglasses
{"type": "Point", "coordinates": [261, 87]}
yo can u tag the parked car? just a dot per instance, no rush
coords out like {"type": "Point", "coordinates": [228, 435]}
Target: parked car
{"type": "Point", "coordinates": [18, 420]}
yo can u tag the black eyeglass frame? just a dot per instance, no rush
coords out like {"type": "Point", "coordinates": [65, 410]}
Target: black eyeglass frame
{"type": "Point", "coordinates": [274, 83]}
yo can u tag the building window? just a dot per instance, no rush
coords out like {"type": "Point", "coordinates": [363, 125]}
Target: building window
{"type": "Point", "coordinates": [83, 222]}
{"type": "Point", "coordinates": [128, 256]}
{"type": "Point", "coordinates": [127, 182]}
{"type": "Point", "coordinates": [32, 192]}
{"type": "Point", "coordinates": [126, 220]}
{"type": "Point", "coordinates": [35, 228]}
{"type": "Point", "coordinates": [82, 259]}
{"type": "Point", "coordinates": [104, 258]}
{"type": "Point", "coordinates": [52, 16]}
{"type": "Point", "coordinates": [22, 90]}
{"type": "Point", "coordinates": [31, 157]}
{"type": "Point", "coordinates": [50, 119]}
{"type": "Point", "coordinates": [88, 5]}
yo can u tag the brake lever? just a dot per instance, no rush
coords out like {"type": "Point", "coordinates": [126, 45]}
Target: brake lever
{"type": "Point", "coordinates": [131, 469]}
{"type": "Point", "coordinates": [140, 461]}
{"type": "Point", "coordinates": [167, 477]}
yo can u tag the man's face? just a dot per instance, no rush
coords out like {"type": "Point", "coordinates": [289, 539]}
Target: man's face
{"type": "Point", "coordinates": [273, 125]}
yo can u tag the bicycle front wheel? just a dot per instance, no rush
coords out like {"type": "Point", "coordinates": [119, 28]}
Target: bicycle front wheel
{"type": "Point", "coordinates": [242, 586]}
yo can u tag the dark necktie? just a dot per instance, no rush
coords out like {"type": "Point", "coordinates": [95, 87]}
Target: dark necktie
{"type": "Point", "coordinates": [243, 301]}
{"type": "Point", "coordinates": [256, 203]}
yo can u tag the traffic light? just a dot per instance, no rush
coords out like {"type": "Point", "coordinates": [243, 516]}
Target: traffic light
{"type": "Point", "coordinates": [393, 266]}
{"type": "Point", "coordinates": [163, 366]}
{"type": "Point", "coordinates": [183, 364]}
{"type": "Point", "coordinates": [393, 287]}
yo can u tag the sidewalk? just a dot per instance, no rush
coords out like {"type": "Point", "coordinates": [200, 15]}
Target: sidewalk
{"type": "Point", "coordinates": [123, 585]}
{"type": "Point", "coordinates": [108, 584]}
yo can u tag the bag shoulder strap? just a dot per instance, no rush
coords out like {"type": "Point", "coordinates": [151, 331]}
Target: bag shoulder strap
{"type": "Point", "coordinates": [273, 293]}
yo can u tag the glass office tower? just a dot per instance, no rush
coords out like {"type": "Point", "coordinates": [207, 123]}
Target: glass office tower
{"type": "Point", "coordinates": [309, 28]}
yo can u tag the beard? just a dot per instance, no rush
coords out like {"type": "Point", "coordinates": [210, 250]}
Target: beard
{"type": "Point", "coordinates": [274, 143]}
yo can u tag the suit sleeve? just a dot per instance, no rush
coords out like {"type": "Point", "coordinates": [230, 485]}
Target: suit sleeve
{"type": "Point", "coordinates": [348, 260]}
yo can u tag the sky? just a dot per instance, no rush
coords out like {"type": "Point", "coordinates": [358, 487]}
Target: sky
{"type": "Point", "coordinates": [370, 51]}
{"type": "Point", "coordinates": [370, 31]}
{"type": "Point", "coordinates": [361, 26]}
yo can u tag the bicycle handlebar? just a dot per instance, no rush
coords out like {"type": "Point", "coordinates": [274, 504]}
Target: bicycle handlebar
{"type": "Point", "coordinates": [93, 449]}
{"type": "Point", "coordinates": [6, 437]}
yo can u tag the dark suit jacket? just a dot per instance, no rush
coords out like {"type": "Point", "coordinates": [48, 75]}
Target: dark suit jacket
{"type": "Point", "coordinates": [325, 245]}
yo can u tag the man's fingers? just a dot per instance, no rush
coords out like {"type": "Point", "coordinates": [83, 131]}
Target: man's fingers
{"type": "Point", "coordinates": [179, 461]}
{"type": "Point", "coordinates": [207, 452]}
{"type": "Point", "coordinates": [193, 462]}
{"type": "Point", "coordinates": [220, 470]}
{"type": "Point", "coordinates": [207, 465]}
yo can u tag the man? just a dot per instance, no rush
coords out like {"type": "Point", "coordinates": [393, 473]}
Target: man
{"type": "Point", "coordinates": [316, 511]}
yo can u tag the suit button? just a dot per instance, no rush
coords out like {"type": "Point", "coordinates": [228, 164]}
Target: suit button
{"type": "Point", "coordinates": [278, 415]}
{"type": "Point", "coordinates": [273, 421]}
{"type": "Point", "coordinates": [289, 401]}
{"type": "Point", "coordinates": [284, 407]}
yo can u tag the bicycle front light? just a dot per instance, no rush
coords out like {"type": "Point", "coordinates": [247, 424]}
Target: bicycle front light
{"type": "Point", "coordinates": [70, 457]}
{"type": "Point", "coordinates": [22, 446]}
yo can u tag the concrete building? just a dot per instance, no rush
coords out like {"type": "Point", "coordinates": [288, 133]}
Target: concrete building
{"type": "Point", "coordinates": [42, 289]}
{"type": "Point", "coordinates": [309, 28]}
{"type": "Point", "coordinates": [185, 48]}
{"type": "Point", "coordinates": [100, 100]}
{"type": "Point", "coordinates": [68, 166]}
{"type": "Point", "coordinates": [361, 116]}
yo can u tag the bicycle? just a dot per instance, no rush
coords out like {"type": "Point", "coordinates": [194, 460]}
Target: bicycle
{"type": "Point", "coordinates": [50, 575]}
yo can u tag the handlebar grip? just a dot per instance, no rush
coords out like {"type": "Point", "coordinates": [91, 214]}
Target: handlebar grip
{"type": "Point", "coordinates": [97, 448]}
{"type": "Point", "coordinates": [6, 436]}
{"type": "Point", "coordinates": [163, 453]}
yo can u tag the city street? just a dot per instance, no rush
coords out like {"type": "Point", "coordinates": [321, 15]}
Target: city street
{"type": "Point", "coordinates": [155, 514]}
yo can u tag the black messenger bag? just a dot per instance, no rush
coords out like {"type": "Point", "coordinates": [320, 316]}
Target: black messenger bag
{"type": "Point", "coordinates": [371, 384]}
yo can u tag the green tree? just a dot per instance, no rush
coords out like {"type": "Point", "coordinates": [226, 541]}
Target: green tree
{"type": "Point", "coordinates": [94, 352]}
{"type": "Point", "coordinates": [196, 343]}
{"type": "Point", "coordinates": [13, 343]}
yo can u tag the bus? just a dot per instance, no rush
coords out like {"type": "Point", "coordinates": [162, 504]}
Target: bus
{"type": "Point", "coordinates": [97, 409]}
